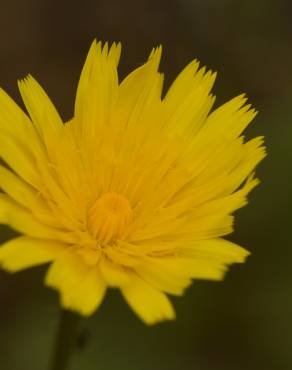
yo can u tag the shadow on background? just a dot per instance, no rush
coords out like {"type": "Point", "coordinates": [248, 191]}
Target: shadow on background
{"type": "Point", "coordinates": [244, 323]}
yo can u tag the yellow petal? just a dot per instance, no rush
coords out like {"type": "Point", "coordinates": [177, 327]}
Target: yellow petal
{"type": "Point", "coordinates": [148, 303]}
{"type": "Point", "coordinates": [98, 66]}
{"type": "Point", "coordinates": [19, 190]}
{"type": "Point", "coordinates": [227, 204]}
{"type": "Point", "coordinates": [121, 255]}
{"type": "Point", "coordinates": [15, 123]}
{"type": "Point", "coordinates": [204, 270]}
{"type": "Point", "coordinates": [188, 101]}
{"type": "Point", "coordinates": [81, 287]}
{"type": "Point", "coordinates": [16, 155]}
{"type": "Point", "coordinates": [135, 90]}
{"type": "Point", "coordinates": [195, 268]}
{"type": "Point", "coordinates": [42, 111]}
{"type": "Point", "coordinates": [20, 144]}
{"type": "Point", "coordinates": [220, 250]}
{"type": "Point", "coordinates": [20, 219]}
{"type": "Point", "coordinates": [187, 80]}
{"type": "Point", "coordinates": [12, 118]}
{"type": "Point", "coordinates": [97, 91]}
{"type": "Point", "coordinates": [230, 119]}
{"type": "Point", "coordinates": [23, 252]}
{"type": "Point", "coordinates": [114, 274]}
{"type": "Point", "coordinates": [164, 276]}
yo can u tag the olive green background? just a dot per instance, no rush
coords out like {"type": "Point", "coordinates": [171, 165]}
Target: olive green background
{"type": "Point", "coordinates": [244, 323]}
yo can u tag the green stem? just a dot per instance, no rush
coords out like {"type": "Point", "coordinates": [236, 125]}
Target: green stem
{"type": "Point", "coordinates": [66, 340]}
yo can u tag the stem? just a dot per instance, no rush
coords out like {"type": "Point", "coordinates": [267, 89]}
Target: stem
{"type": "Point", "coordinates": [66, 340]}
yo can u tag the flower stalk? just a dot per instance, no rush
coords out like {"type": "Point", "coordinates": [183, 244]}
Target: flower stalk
{"type": "Point", "coordinates": [66, 340]}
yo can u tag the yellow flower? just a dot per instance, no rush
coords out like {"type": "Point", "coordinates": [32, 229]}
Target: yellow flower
{"type": "Point", "coordinates": [134, 192]}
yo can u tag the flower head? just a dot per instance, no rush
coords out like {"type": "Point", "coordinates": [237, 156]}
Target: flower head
{"type": "Point", "coordinates": [134, 192]}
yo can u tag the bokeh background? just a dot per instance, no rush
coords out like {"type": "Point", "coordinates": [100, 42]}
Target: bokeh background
{"type": "Point", "coordinates": [244, 323]}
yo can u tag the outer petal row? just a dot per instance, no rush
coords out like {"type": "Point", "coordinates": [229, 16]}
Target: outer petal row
{"type": "Point", "coordinates": [82, 287]}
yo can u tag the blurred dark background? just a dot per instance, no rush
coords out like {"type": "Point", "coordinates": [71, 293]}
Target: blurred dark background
{"type": "Point", "coordinates": [244, 323]}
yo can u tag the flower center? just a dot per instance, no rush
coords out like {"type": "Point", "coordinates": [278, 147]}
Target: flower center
{"type": "Point", "coordinates": [109, 217]}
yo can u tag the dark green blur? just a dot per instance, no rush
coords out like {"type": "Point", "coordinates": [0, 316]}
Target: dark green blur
{"type": "Point", "coordinates": [244, 323]}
